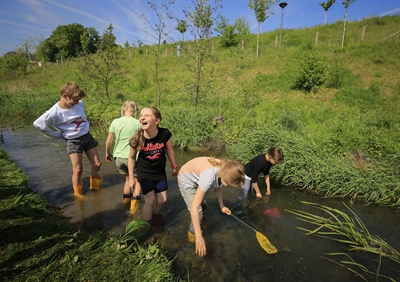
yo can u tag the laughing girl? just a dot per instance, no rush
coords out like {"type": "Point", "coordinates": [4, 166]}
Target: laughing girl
{"type": "Point", "coordinates": [149, 147]}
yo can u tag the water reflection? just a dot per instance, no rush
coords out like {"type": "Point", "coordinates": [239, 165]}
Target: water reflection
{"type": "Point", "coordinates": [233, 253]}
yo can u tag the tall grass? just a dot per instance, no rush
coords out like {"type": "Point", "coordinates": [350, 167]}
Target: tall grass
{"type": "Point", "coordinates": [351, 231]}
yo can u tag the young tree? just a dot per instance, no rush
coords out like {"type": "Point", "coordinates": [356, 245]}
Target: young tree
{"type": "Point", "coordinates": [158, 34]}
{"type": "Point", "coordinates": [201, 19]}
{"type": "Point", "coordinates": [108, 38]}
{"type": "Point", "coordinates": [26, 47]}
{"type": "Point", "coordinates": [40, 48]}
{"type": "Point", "coordinates": [243, 28]}
{"type": "Point", "coordinates": [104, 66]}
{"type": "Point", "coordinates": [182, 28]}
{"type": "Point", "coordinates": [229, 36]}
{"type": "Point", "coordinates": [262, 10]}
{"type": "Point", "coordinates": [61, 42]}
{"type": "Point", "coordinates": [346, 4]}
{"type": "Point", "coordinates": [326, 5]}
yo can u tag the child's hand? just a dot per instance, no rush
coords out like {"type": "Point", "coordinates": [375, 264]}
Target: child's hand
{"type": "Point", "coordinates": [268, 192]}
{"type": "Point", "coordinates": [109, 157]}
{"type": "Point", "coordinates": [174, 172]}
{"type": "Point", "coordinates": [226, 210]}
{"type": "Point", "coordinates": [132, 184]}
{"type": "Point", "coordinates": [258, 195]}
{"type": "Point", "coordinates": [200, 246]}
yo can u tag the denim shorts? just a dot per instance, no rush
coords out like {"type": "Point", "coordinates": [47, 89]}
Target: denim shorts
{"type": "Point", "coordinates": [156, 186]}
{"type": "Point", "coordinates": [81, 144]}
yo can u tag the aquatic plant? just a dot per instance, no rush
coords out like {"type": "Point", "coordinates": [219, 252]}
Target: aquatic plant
{"type": "Point", "coordinates": [349, 230]}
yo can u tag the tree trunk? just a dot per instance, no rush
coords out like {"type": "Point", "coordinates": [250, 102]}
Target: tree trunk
{"type": "Point", "coordinates": [344, 27]}
{"type": "Point", "coordinates": [258, 37]}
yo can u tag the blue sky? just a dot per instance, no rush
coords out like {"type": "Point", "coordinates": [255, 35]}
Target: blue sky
{"type": "Point", "coordinates": [20, 19]}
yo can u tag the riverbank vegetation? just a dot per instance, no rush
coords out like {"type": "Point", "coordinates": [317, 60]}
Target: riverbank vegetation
{"type": "Point", "coordinates": [348, 229]}
{"type": "Point", "coordinates": [37, 245]}
{"type": "Point", "coordinates": [334, 111]}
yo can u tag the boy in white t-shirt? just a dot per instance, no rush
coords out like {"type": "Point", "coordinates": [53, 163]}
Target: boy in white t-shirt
{"type": "Point", "coordinates": [66, 121]}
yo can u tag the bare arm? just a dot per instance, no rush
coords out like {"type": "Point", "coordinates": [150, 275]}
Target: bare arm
{"type": "Point", "coordinates": [267, 184]}
{"type": "Point", "coordinates": [131, 168]}
{"type": "Point", "coordinates": [171, 157]}
{"type": "Point", "coordinates": [218, 193]}
{"type": "Point", "coordinates": [257, 189]}
{"type": "Point", "coordinates": [109, 141]}
{"type": "Point", "coordinates": [194, 213]}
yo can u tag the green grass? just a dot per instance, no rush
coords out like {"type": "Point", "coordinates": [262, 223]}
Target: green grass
{"type": "Point", "coordinates": [351, 231]}
{"type": "Point", "coordinates": [37, 245]}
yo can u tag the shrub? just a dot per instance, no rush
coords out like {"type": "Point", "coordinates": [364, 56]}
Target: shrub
{"type": "Point", "coordinates": [311, 73]}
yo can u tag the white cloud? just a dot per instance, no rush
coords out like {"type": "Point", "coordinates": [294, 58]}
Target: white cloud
{"type": "Point", "coordinates": [394, 11]}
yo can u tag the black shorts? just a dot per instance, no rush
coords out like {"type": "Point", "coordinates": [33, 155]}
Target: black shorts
{"type": "Point", "coordinates": [156, 186]}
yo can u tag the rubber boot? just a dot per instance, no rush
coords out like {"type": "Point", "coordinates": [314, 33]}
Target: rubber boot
{"type": "Point", "coordinates": [134, 206]}
{"type": "Point", "coordinates": [191, 237]}
{"type": "Point", "coordinates": [126, 199]}
{"type": "Point", "coordinates": [95, 183]}
{"type": "Point", "coordinates": [78, 190]}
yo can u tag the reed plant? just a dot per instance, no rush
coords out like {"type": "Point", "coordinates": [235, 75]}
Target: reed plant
{"type": "Point", "coordinates": [349, 230]}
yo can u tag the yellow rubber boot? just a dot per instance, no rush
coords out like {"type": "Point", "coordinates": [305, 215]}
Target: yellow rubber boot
{"type": "Point", "coordinates": [134, 206]}
{"type": "Point", "coordinates": [95, 183]}
{"type": "Point", "coordinates": [126, 199]}
{"type": "Point", "coordinates": [78, 190]}
{"type": "Point", "coordinates": [191, 237]}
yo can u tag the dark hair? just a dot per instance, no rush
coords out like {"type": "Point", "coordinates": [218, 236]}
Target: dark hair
{"type": "Point", "coordinates": [276, 153]}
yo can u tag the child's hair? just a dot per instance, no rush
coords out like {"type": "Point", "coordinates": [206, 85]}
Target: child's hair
{"type": "Point", "coordinates": [230, 171]}
{"type": "Point", "coordinates": [72, 90]}
{"type": "Point", "coordinates": [129, 106]}
{"type": "Point", "coordinates": [137, 141]}
{"type": "Point", "coordinates": [276, 153]}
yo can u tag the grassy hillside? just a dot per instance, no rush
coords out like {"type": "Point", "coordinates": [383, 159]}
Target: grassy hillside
{"type": "Point", "coordinates": [340, 139]}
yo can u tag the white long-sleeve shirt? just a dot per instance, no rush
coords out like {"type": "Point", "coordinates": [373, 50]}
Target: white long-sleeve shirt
{"type": "Point", "coordinates": [63, 123]}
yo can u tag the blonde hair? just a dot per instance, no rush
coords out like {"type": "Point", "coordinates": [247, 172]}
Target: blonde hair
{"type": "Point", "coordinates": [230, 171]}
{"type": "Point", "coordinates": [137, 141]}
{"type": "Point", "coordinates": [72, 90]}
{"type": "Point", "coordinates": [129, 106]}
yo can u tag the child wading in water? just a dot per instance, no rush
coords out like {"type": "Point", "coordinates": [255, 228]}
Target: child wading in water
{"type": "Point", "coordinates": [153, 143]}
{"type": "Point", "coordinates": [68, 119]}
{"type": "Point", "coordinates": [123, 128]}
{"type": "Point", "coordinates": [198, 176]}
{"type": "Point", "coordinates": [260, 164]}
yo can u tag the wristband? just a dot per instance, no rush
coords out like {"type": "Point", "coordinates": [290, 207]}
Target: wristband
{"type": "Point", "coordinates": [175, 166]}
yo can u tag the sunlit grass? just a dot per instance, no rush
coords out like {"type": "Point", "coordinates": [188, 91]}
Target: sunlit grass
{"type": "Point", "coordinates": [348, 229]}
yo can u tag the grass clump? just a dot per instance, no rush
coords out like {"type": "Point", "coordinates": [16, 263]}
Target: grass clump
{"type": "Point", "coordinates": [37, 245]}
{"type": "Point", "coordinates": [351, 231]}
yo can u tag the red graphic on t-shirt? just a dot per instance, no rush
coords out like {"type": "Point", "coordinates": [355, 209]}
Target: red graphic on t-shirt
{"type": "Point", "coordinates": [153, 151]}
{"type": "Point", "coordinates": [154, 157]}
{"type": "Point", "coordinates": [78, 122]}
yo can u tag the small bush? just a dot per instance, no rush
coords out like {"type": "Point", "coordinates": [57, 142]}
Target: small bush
{"type": "Point", "coordinates": [311, 73]}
